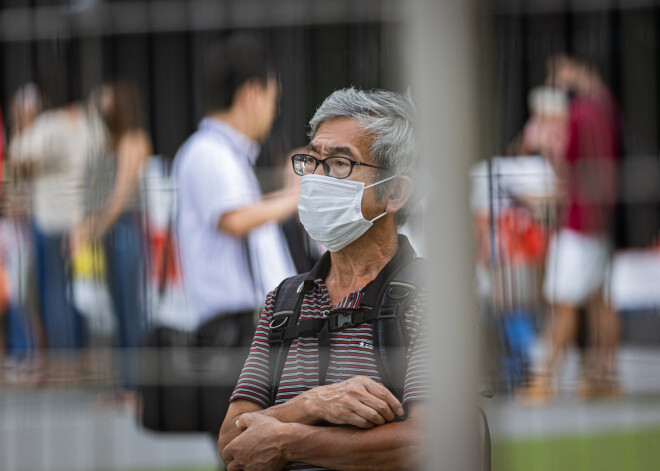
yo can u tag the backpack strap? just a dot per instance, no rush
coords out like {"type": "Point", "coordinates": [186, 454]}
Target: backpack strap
{"type": "Point", "coordinates": [288, 300]}
{"type": "Point", "coordinates": [389, 328]}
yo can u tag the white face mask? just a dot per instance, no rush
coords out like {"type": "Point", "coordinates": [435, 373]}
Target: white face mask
{"type": "Point", "coordinates": [331, 210]}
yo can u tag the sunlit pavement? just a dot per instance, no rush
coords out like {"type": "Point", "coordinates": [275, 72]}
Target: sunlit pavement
{"type": "Point", "coordinates": [639, 406]}
{"type": "Point", "coordinates": [84, 430]}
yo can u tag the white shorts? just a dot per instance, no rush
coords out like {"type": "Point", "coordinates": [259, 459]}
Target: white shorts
{"type": "Point", "coordinates": [577, 266]}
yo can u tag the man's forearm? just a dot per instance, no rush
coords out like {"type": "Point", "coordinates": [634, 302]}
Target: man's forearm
{"type": "Point", "coordinates": [291, 411]}
{"type": "Point", "coordinates": [228, 430]}
{"type": "Point", "coordinates": [265, 443]}
{"type": "Point", "coordinates": [393, 446]}
{"type": "Point", "coordinates": [241, 221]}
{"type": "Point", "coordinates": [296, 410]}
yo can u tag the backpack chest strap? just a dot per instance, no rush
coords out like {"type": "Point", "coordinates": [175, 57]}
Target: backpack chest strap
{"type": "Point", "coordinates": [339, 319]}
{"type": "Point", "coordinates": [395, 293]}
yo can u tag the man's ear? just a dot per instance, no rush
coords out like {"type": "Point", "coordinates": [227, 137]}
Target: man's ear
{"type": "Point", "coordinates": [400, 190]}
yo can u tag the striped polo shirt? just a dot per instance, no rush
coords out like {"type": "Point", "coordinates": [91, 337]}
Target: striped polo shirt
{"type": "Point", "coordinates": [351, 349]}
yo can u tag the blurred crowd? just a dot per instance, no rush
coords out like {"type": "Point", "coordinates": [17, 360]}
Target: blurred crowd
{"type": "Point", "coordinates": [75, 208]}
{"type": "Point", "coordinates": [71, 193]}
{"type": "Point", "coordinates": [73, 202]}
{"type": "Point", "coordinates": [545, 219]}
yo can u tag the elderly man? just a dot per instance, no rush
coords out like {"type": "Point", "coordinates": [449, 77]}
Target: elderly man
{"type": "Point", "coordinates": [330, 408]}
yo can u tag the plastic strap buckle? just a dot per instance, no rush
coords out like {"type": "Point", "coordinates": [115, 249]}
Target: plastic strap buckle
{"type": "Point", "coordinates": [340, 320]}
{"type": "Point", "coordinates": [389, 312]}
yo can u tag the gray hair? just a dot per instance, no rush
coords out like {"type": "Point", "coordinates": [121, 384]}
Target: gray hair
{"type": "Point", "coordinates": [388, 118]}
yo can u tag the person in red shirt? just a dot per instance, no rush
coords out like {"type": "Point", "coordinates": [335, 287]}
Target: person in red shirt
{"type": "Point", "coordinates": [580, 252]}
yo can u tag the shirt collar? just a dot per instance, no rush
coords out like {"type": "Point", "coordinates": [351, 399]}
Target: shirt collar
{"type": "Point", "coordinates": [404, 254]}
{"type": "Point", "coordinates": [241, 144]}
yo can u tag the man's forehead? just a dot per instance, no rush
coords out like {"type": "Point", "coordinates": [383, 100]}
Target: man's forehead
{"type": "Point", "coordinates": [340, 135]}
{"type": "Point", "coordinates": [320, 147]}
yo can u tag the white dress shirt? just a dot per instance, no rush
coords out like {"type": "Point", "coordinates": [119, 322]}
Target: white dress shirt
{"type": "Point", "coordinates": [214, 174]}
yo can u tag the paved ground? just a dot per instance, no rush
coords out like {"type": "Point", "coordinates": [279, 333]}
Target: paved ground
{"type": "Point", "coordinates": [74, 430]}
{"type": "Point", "coordinates": [639, 407]}
{"type": "Point", "coordinates": [509, 420]}
{"type": "Point", "coordinates": [80, 430]}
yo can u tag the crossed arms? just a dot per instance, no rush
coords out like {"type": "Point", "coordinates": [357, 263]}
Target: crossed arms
{"type": "Point", "coordinates": [367, 437]}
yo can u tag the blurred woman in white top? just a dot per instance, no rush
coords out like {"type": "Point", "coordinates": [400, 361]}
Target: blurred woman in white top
{"type": "Point", "coordinates": [53, 154]}
{"type": "Point", "coordinates": [113, 213]}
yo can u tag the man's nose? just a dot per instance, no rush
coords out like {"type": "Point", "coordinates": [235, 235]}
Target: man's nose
{"type": "Point", "coordinates": [319, 169]}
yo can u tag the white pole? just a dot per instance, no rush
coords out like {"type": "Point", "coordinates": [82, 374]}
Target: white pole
{"type": "Point", "coordinates": [441, 39]}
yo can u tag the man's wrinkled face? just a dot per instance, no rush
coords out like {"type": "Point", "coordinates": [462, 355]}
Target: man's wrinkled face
{"type": "Point", "coordinates": [344, 137]}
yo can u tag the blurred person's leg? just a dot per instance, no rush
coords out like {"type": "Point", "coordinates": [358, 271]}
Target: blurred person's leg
{"type": "Point", "coordinates": [64, 327]}
{"type": "Point", "coordinates": [601, 377]}
{"type": "Point", "coordinates": [22, 366]}
{"type": "Point", "coordinates": [28, 293]}
{"type": "Point", "coordinates": [576, 269]}
{"type": "Point", "coordinates": [20, 324]}
{"type": "Point", "coordinates": [566, 287]}
{"type": "Point", "coordinates": [611, 335]}
{"type": "Point", "coordinates": [559, 335]}
{"type": "Point", "coordinates": [19, 338]}
{"type": "Point", "coordinates": [124, 258]}
{"type": "Point", "coordinates": [563, 328]}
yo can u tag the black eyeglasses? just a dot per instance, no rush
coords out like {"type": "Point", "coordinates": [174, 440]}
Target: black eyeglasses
{"type": "Point", "coordinates": [335, 166]}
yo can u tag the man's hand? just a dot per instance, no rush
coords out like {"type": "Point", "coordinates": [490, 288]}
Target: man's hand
{"type": "Point", "coordinates": [359, 401]}
{"type": "Point", "coordinates": [258, 447]}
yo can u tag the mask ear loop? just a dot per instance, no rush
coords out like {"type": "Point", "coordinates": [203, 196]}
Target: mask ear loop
{"type": "Point", "coordinates": [378, 217]}
{"type": "Point", "coordinates": [378, 183]}
{"type": "Point", "coordinates": [382, 181]}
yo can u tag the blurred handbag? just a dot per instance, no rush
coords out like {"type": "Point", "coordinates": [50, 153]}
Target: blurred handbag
{"type": "Point", "coordinates": [187, 377]}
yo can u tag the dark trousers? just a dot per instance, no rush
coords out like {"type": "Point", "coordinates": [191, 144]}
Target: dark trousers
{"type": "Point", "coordinates": [123, 247]}
{"type": "Point", "coordinates": [195, 374]}
{"type": "Point", "coordinates": [64, 326]}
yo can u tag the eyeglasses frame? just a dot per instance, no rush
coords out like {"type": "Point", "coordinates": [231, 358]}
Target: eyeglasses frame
{"type": "Point", "coordinates": [322, 161]}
